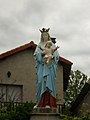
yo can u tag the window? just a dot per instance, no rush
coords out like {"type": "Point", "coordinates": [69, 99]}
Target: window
{"type": "Point", "coordinates": [11, 93]}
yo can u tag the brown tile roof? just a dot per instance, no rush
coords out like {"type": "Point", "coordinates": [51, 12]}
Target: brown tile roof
{"type": "Point", "coordinates": [23, 47]}
{"type": "Point", "coordinates": [61, 59]}
{"type": "Point", "coordinates": [18, 49]}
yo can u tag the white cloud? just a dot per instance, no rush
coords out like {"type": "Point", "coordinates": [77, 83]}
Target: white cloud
{"type": "Point", "coordinates": [69, 22]}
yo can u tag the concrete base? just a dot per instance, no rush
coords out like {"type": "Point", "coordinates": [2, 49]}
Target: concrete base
{"type": "Point", "coordinates": [44, 114]}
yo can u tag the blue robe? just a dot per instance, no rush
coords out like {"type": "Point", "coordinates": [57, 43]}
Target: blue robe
{"type": "Point", "coordinates": [45, 73]}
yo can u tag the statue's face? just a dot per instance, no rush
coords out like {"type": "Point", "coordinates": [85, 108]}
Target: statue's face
{"type": "Point", "coordinates": [48, 44]}
{"type": "Point", "coordinates": [45, 36]}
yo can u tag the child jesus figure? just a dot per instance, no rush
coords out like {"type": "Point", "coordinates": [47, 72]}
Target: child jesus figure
{"type": "Point", "coordinates": [48, 51]}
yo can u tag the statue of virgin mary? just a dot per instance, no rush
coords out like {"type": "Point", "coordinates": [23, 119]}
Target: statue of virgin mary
{"type": "Point", "coordinates": [45, 74]}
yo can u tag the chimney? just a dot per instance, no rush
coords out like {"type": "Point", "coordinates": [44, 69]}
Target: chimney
{"type": "Point", "coordinates": [53, 40]}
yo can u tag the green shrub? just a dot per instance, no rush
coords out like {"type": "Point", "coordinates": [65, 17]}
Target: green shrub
{"type": "Point", "coordinates": [84, 116]}
{"type": "Point", "coordinates": [20, 112]}
{"type": "Point", "coordinates": [4, 116]}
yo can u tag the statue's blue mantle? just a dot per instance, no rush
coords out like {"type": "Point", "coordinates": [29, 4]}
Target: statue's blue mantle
{"type": "Point", "coordinates": [45, 73]}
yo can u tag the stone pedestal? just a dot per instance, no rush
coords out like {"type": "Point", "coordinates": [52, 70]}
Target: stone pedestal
{"type": "Point", "coordinates": [44, 114]}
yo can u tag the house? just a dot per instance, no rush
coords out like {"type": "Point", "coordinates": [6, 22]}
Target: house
{"type": "Point", "coordinates": [18, 75]}
{"type": "Point", "coordinates": [82, 102]}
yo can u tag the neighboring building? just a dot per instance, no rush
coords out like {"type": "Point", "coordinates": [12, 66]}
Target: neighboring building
{"type": "Point", "coordinates": [82, 102]}
{"type": "Point", "coordinates": [18, 75]}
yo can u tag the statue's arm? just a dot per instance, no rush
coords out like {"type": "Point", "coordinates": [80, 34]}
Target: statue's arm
{"type": "Point", "coordinates": [40, 47]}
{"type": "Point", "coordinates": [56, 48]}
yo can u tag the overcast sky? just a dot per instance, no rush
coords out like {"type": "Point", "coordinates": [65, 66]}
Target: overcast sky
{"type": "Point", "coordinates": [68, 20]}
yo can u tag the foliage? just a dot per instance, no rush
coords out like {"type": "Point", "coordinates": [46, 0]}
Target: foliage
{"type": "Point", "coordinates": [20, 112]}
{"type": "Point", "coordinates": [85, 116]}
{"type": "Point", "coordinates": [76, 82]}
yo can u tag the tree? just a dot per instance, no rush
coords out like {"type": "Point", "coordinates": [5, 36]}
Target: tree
{"type": "Point", "coordinates": [76, 82]}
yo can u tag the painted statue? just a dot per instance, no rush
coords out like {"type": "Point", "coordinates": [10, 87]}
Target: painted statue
{"type": "Point", "coordinates": [46, 56]}
{"type": "Point", "coordinates": [47, 52]}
